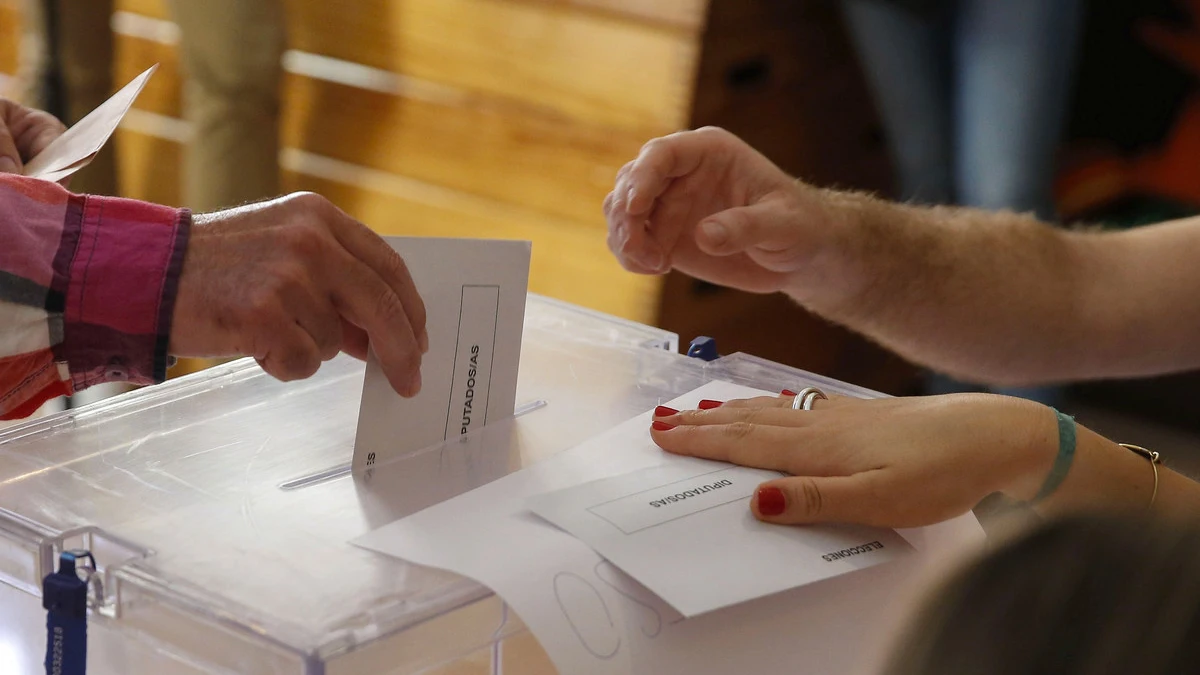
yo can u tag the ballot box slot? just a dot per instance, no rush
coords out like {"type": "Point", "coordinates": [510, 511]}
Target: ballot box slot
{"type": "Point", "coordinates": [343, 470]}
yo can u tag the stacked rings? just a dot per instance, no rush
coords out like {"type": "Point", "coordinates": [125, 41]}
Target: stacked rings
{"type": "Point", "coordinates": [807, 396]}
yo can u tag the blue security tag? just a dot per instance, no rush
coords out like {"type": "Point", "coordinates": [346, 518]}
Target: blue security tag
{"type": "Point", "coordinates": [65, 596]}
{"type": "Point", "coordinates": [704, 348]}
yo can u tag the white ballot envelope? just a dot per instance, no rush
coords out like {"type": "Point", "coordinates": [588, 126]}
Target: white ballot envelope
{"type": "Point", "coordinates": [591, 617]}
{"type": "Point", "coordinates": [647, 522]}
{"type": "Point", "coordinates": [77, 147]}
{"type": "Point", "coordinates": [474, 292]}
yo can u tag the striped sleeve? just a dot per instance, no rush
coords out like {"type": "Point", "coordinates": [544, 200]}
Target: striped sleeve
{"type": "Point", "coordinates": [87, 290]}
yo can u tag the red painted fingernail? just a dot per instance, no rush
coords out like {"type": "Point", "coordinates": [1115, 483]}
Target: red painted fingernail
{"type": "Point", "coordinates": [664, 411]}
{"type": "Point", "coordinates": [770, 501]}
{"type": "Point", "coordinates": [707, 404]}
{"type": "Point", "coordinates": [662, 426]}
{"type": "Point", "coordinates": [789, 392]}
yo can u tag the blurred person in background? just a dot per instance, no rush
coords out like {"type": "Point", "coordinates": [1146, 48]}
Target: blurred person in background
{"type": "Point", "coordinates": [66, 69]}
{"type": "Point", "coordinates": [973, 96]}
{"type": "Point", "coordinates": [231, 52]}
{"type": "Point", "coordinates": [1082, 596]}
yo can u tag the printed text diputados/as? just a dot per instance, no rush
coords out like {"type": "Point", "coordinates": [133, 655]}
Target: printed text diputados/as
{"type": "Point", "coordinates": [680, 496]}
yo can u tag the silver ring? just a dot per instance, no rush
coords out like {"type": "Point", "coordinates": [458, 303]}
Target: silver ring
{"type": "Point", "coordinates": [804, 400]}
{"type": "Point", "coordinates": [813, 398]}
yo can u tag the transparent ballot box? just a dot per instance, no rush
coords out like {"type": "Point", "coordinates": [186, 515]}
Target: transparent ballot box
{"type": "Point", "coordinates": [219, 508]}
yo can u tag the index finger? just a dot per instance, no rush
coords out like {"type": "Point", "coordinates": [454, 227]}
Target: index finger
{"type": "Point", "coordinates": [35, 131]}
{"type": "Point", "coordinates": [362, 243]}
{"type": "Point", "coordinates": [660, 161]}
{"type": "Point", "coordinates": [368, 302]}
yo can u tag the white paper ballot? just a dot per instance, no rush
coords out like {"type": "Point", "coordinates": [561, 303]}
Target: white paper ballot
{"type": "Point", "coordinates": [474, 292]}
{"type": "Point", "coordinates": [78, 146]}
{"type": "Point", "coordinates": [647, 521]}
{"type": "Point", "coordinates": [593, 618]}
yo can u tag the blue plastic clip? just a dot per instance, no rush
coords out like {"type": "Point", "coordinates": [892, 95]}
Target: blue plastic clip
{"type": "Point", "coordinates": [65, 596]}
{"type": "Point", "coordinates": [703, 348]}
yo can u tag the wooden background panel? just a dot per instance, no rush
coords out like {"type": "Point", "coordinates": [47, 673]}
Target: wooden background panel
{"type": "Point", "coordinates": [10, 37]}
{"type": "Point", "coordinates": [471, 143]}
{"type": "Point", "coordinates": [560, 168]}
{"type": "Point", "coordinates": [569, 262]}
{"type": "Point", "coordinates": [585, 65]}
{"type": "Point", "coordinates": [149, 167]}
{"type": "Point", "coordinates": [681, 14]}
{"type": "Point", "coordinates": [163, 93]}
{"type": "Point", "coordinates": [588, 66]}
{"type": "Point", "coordinates": [684, 14]}
{"type": "Point", "coordinates": [151, 8]}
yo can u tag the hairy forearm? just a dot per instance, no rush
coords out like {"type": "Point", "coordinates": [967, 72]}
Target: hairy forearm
{"type": "Point", "coordinates": [989, 296]}
{"type": "Point", "coordinates": [1142, 299]}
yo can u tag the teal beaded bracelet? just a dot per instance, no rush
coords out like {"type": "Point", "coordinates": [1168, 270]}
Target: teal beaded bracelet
{"type": "Point", "coordinates": [1062, 462]}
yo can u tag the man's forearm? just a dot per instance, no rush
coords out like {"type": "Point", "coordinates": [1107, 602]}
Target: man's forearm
{"type": "Point", "coordinates": [86, 290]}
{"type": "Point", "coordinates": [989, 296]}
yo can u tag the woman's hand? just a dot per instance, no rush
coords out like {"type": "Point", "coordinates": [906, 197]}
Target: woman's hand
{"type": "Point", "coordinates": [707, 204]}
{"type": "Point", "coordinates": [24, 132]}
{"type": "Point", "coordinates": [893, 462]}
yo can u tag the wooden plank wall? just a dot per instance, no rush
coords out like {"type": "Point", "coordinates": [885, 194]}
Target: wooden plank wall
{"type": "Point", "coordinates": [492, 118]}
{"type": "Point", "coordinates": [10, 38]}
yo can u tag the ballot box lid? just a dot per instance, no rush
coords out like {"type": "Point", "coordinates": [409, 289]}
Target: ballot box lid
{"type": "Point", "coordinates": [219, 507]}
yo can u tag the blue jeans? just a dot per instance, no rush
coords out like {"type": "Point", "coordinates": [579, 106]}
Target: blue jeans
{"type": "Point", "coordinates": [973, 98]}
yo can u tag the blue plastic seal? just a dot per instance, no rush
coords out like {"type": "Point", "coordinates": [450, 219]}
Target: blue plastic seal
{"type": "Point", "coordinates": [64, 597]}
{"type": "Point", "coordinates": [704, 348]}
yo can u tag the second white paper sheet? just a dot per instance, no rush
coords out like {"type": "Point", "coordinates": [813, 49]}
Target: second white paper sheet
{"type": "Point", "coordinates": [674, 527]}
{"type": "Point", "coordinates": [593, 618]}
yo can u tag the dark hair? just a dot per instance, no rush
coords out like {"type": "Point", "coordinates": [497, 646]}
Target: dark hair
{"type": "Point", "coordinates": [1079, 596]}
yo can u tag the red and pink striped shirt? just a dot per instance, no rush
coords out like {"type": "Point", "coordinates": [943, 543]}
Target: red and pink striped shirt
{"type": "Point", "coordinates": [87, 290]}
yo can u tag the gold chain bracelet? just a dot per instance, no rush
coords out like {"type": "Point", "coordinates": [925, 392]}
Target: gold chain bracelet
{"type": "Point", "coordinates": [1155, 460]}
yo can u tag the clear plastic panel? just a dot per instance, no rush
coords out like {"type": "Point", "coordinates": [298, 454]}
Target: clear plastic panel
{"type": "Point", "coordinates": [219, 510]}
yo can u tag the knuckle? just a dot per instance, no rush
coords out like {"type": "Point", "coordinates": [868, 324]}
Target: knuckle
{"type": "Point", "coordinates": [712, 132]}
{"type": "Point", "coordinates": [50, 122]}
{"type": "Point", "coordinates": [299, 363]}
{"type": "Point", "coordinates": [329, 342]}
{"type": "Point", "coordinates": [330, 349]}
{"type": "Point", "coordinates": [307, 201]}
{"type": "Point", "coordinates": [654, 146]}
{"type": "Point", "coordinates": [303, 239]}
{"type": "Point", "coordinates": [389, 307]}
{"type": "Point", "coordinates": [749, 415]}
{"type": "Point", "coordinates": [737, 431]}
{"type": "Point", "coordinates": [263, 302]}
{"type": "Point", "coordinates": [806, 495]}
{"type": "Point", "coordinates": [393, 263]}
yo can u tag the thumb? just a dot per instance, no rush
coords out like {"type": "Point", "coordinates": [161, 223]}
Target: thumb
{"type": "Point", "coordinates": [804, 500]}
{"type": "Point", "coordinates": [762, 225]}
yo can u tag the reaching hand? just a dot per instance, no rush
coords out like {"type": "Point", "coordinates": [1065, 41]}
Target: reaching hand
{"type": "Point", "coordinates": [292, 282]}
{"type": "Point", "coordinates": [707, 204]}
